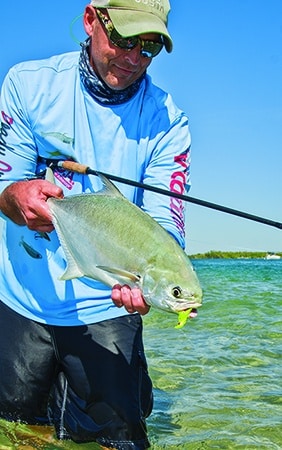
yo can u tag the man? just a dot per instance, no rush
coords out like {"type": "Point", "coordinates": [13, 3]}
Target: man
{"type": "Point", "coordinates": [71, 352]}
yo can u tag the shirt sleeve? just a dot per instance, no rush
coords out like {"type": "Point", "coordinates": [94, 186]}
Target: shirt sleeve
{"type": "Point", "coordinates": [18, 152]}
{"type": "Point", "coordinates": [169, 169]}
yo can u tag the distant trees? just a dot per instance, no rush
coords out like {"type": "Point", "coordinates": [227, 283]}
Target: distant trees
{"type": "Point", "coordinates": [216, 254]}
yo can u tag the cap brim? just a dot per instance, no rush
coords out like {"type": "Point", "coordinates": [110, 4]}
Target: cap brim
{"type": "Point", "coordinates": [133, 23]}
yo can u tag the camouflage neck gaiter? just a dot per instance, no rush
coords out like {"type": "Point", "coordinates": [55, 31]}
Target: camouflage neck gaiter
{"type": "Point", "coordinates": [97, 88]}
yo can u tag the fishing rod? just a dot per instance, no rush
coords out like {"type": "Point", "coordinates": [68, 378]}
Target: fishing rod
{"type": "Point", "coordinates": [85, 170]}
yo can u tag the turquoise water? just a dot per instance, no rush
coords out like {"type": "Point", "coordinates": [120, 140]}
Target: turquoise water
{"type": "Point", "coordinates": [217, 381]}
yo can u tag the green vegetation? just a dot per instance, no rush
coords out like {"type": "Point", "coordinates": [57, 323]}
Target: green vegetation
{"type": "Point", "coordinates": [216, 254]}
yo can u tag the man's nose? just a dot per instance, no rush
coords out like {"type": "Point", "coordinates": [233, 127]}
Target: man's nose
{"type": "Point", "coordinates": [133, 56]}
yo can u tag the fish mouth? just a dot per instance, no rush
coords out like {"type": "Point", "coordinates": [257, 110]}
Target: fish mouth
{"type": "Point", "coordinates": [190, 305]}
{"type": "Point", "coordinates": [193, 313]}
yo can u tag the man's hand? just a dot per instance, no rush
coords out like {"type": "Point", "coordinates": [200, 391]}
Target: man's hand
{"type": "Point", "coordinates": [24, 202]}
{"type": "Point", "coordinates": [131, 298]}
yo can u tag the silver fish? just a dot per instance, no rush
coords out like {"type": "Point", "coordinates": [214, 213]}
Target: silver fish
{"type": "Point", "coordinates": [30, 250]}
{"type": "Point", "coordinates": [63, 137]}
{"type": "Point", "coordinates": [42, 235]}
{"type": "Point", "coordinates": [108, 238]}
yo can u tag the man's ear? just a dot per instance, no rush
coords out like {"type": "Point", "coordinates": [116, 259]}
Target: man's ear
{"type": "Point", "coordinates": [88, 19]}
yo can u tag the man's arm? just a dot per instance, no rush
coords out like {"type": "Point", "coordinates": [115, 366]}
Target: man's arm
{"type": "Point", "coordinates": [24, 202]}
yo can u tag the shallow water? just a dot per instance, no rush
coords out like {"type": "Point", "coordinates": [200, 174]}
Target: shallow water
{"type": "Point", "coordinates": [217, 381]}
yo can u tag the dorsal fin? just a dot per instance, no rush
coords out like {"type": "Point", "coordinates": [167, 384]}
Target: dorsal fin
{"type": "Point", "coordinates": [49, 175]}
{"type": "Point", "coordinates": [108, 187]}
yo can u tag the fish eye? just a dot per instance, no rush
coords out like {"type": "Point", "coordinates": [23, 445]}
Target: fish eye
{"type": "Point", "coordinates": [176, 291]}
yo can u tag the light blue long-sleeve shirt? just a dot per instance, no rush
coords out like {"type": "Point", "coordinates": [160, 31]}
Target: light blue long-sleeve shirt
{"type": "Point", "coordinates": [46, 113]}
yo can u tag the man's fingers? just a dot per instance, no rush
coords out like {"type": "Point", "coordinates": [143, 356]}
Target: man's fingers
{"type": "Point", "coordinates": [138, 301]}
{"type": "Point", "coordinates": [131, 298]}
{"type": "Point", "coordinates": [116, 295]}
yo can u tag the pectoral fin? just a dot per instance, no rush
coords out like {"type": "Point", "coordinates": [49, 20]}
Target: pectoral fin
{"type": "Point", "coordinates": [121, 273]}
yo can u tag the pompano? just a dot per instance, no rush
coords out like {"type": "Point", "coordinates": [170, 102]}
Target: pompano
{"type": "Point", "coordinates": [106, 237]}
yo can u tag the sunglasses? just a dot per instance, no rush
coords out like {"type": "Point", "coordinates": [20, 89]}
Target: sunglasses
{"type": "Point", "coordinates": [149, 49]}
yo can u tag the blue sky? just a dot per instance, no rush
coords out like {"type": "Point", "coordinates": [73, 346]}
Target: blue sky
{"type": "Point", "coordinates": [226, 73]}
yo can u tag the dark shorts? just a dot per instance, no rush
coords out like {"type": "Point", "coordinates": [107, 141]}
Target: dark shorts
{"type": "Point", "coordinates": [91, 381]}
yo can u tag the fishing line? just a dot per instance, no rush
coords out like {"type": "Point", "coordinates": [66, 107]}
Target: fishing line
{"type": "Point", "coordinates": [73, 22]}
{"type": "Point", "coordinates": [85, 170]}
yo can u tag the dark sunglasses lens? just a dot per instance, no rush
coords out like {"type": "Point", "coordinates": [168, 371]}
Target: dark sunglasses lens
{"type": "Point", "coordinates": [151, 49]}
{"type": "Point", "coordinates": [126, 43]}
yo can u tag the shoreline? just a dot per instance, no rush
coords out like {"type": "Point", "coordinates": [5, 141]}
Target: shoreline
{"type": "Point", "coordinates": [216, 254]}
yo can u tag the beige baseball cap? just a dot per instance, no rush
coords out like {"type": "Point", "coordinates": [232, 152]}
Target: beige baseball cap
{"type": "Point", "coordinates": [135, 17]}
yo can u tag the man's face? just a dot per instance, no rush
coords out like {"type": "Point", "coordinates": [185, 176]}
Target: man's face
{"type": "Point", "coordinates": [118, 68]}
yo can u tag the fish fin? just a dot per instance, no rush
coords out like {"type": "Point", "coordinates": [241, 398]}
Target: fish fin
{"type": "Point", "coordinates": [49, 176]}
{"type": "Point", "coordinates": [122, 273]}
{"type": "Point", "coordinates": [183, 316]}
{"type": "Point", "coordinates": [72, 271]}
{"type": "Point", "coordinates": [108, 187]}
